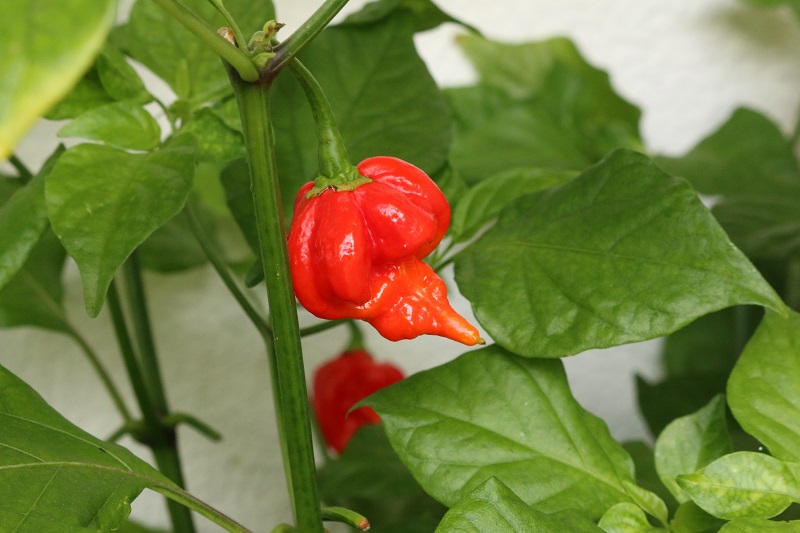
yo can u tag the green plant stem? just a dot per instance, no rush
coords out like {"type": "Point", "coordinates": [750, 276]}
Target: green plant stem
{"type": "Point", "coordinates": [333, 158]}
{"type": "Point", "coordinates": [130, 359]}
{"type": "Point", "coordinates": [230, 281]}
{"type": "Point", "coordinates": [22, 171]}
{"type": "Point", "coordinates": [293, 410]}
{"type": "Point", "coordinates": [161, 438]}
{"type": "Point", "coordinates": [237, 58]}
{"type": "Point", "coordinates": [322, 326]}
{"type": "Point", "coordinates": [143, 334]}
{"type": "Point", "coordinates": [104, 376]}
{"type": "Point", "coordinates": [237, 33]}
{"type": "Point", "coordinates": [356, 337]}
{"type": "Point", "coordinates": [288, 49]}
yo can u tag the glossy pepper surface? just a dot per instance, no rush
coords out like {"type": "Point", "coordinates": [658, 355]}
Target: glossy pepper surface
{"type": "Point", "coordinates": [341, 383]}
{"type": "Point", "coordinates": [358, 253]}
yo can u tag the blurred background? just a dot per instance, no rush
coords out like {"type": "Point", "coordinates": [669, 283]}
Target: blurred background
{"type": "Point", "coordinates": [686, 63]}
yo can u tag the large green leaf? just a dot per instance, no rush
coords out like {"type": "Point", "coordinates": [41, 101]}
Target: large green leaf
{"type": "Point", "coordinates": [384, 99]}
{"type": "Point", "coordinates": [494, 508]}
{"type": "Point", "coordinates": [744, 484]}
{"type": "Point", "coordinates": [622, 253]}
{"type": "Point", "coordinates": [557, 103]}
{"type": "Point", "coordinates": [750, 168]}
{"type": "Point", "coordinates": [186, 63]}
{"type": "Point", "coordinates": [56, 478]}
{"type": "Point", "coordinates": [34, 297]}
{"type": "Point", "coordinates": [492, 414]}
{"type": "Point", "coordinates": [764, 387]}
{"type": "Point", "coordinates": [104, 202]}
{"type": "Point", "coordinates": [121, 124]}
{"type": "Point", "coordinates": [45, 46]}
{"type": "Point", "coordinates": [690, 443]}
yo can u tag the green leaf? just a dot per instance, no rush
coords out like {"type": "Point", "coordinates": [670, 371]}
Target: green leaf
{"type": "Point", "coordinates": [674, 397]}
{"type": "Point", "coordinates": [104, 202]}
{"type": "Point", "coordinates": [56, 478]}
{"type": "Point", "coordinates": [451, 183]}
{"type": "Point", "coordinates": [494, 508]}
{"type": "Point", "coordinates": [689, 518]}
{"type": "Point", "coordinates": [121, 124]}
{"type": "Point", "coordinates": [391, 499]}
{"type": "Point", "coordinates": [691, 442]}
{"type": "Point", "coordinates": [34, 297]}
{"type": "Point", "coordinates": [217, 143]}
{"type": "Point", "coordinates": [42, 55]}
{"type": "Point", "coordinates": [744, 484]}
{"type": "Point", "coordinates": [707, 346]}
{"type": "Point", "coordinates": [759, 525]}
{"type": "Point", "coordinates": [751, 170]}
{"type": "Point", "coordinates": [492, 414]}
{"type": "Point", "coordinates": [626, 518]}
{"type": "Point", "coordinates": [482, 203]}
{"type": "Point", "coordinates": [425, 13]}
{"type": "Point", "coordinates": [494, 133]}
{"type": "Point", "coordinates": [646, 475]}
{"type": "Point", "coordinates": [110, 79]}
{"type": "Point", "coordinates": [45, 458]}
{"type": "Point", "coordinates": [545, 281]}
{"type": "Point", "coordinates": [173, 247]}
{"type": "Point", "coordinates": [562, 109]}
{"type": "Point", "coordinates": [119, 79]}
{"type": "Point", "coordinates": [86, 95]}
{"type": "Point", "coordinates": [187, 64]}
{"type": "Point", "coordinates": [359, 66]}
{"type": "Point", "coordinates": [23, 219]}
{"type": "Point", "coordinates": [764, 387]}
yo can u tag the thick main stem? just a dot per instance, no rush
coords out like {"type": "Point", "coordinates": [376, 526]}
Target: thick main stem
{"type": "Point", "coordinates": [293, 411]}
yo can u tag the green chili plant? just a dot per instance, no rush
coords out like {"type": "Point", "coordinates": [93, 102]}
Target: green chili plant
{"type": "Point", "coordinates": [563, 231]}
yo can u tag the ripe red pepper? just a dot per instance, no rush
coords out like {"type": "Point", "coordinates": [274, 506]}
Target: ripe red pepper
{"type": "Point", "coordinates": [340, 384]}
{"type": "Point", "coordinates": [357, 253]}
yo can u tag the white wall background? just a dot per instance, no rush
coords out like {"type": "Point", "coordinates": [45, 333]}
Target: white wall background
{"type": "Point", "coordinates": [687, 63]}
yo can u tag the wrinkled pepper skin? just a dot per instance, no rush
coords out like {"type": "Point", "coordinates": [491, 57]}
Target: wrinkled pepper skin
{"type": "Point", "coordinates": [358, 253]}
{"type": "Point", "coordinates": [341, 383]}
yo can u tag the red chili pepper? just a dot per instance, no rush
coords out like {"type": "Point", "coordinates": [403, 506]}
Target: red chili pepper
{"type": "Point", "coordinates": [357, 253]}
{"type": "Point", "coordinates": [340, 384]}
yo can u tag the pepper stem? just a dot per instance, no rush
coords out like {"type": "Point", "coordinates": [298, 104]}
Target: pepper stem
{"type": "Point", "coordinates": [336, 170]}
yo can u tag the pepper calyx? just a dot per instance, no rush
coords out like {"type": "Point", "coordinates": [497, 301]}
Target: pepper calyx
{"type": "Point", "coordinates": [348, 179]}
